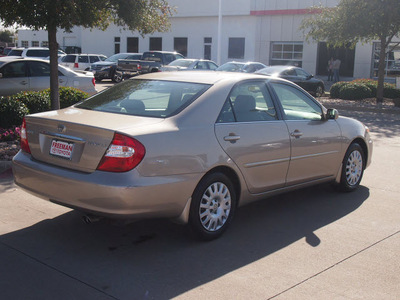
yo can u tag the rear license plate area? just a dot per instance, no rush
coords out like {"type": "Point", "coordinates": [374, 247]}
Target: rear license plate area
{"type": "Point", "coordinates": [61, 149]}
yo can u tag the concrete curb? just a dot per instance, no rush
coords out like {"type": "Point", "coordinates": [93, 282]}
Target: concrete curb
{"type": "Point", "coordinates": [363, 109]}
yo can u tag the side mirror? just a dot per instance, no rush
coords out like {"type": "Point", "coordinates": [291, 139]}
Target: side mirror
{"type": "Point", "coordinates": [309, 77]}
{"type": "Point", "coordinates": [332, 114]}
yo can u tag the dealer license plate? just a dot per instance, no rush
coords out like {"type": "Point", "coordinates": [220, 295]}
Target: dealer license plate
{"type": "Point", "coordinates": [61, 149]}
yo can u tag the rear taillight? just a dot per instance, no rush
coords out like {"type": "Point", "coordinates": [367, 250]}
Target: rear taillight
{"type": "Point", "coordinates": [24, 138]}
{"type": "Point", "coordinates": [94, 82]}
{"type": "Point", "coordinates": [123, 154]}
{"type": "Point", "coordinates": [76, 65]}
{"type": "Point", "coordinates": [139, 67]}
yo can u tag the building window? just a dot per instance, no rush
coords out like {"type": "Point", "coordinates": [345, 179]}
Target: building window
{"type": "Point", "coordinates": [155, 44]}
{"type": "Point", "coordinates": [25, 44]}
{"type": "Point", "coordinates": [392, 60]}
{"type": "Point", "coordinates": [236, 48]}
{"type": "Point", "coordinates": [181, 45]}
{"type": "Point", "coordinates": [286, 53]}
{"type": "Point", "coordinates": [207, 48]}
{"type": "Point", "coordinates": [117, 44]}
{"type": "Point", "coordinates": [132, 45]}
{"type": "Point", "coordinates": [35, 43]}
{"type": "Point", "coordinates": [45, 44]}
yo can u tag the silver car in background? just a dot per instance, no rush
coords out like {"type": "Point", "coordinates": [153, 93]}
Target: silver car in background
{"type": "Point", "coordinates": [190, 146]}
{"type": "Point", "coordinates": [25, 74]}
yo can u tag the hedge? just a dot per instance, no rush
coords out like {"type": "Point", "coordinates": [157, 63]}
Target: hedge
{"type": "Point", "coordinates": [14, 108]}
{"type": "Point", "coordinates": [361, 89]}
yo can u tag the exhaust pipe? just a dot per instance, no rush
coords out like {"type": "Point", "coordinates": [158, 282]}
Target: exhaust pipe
{"type": "Point", "coordinates": [89, 219]}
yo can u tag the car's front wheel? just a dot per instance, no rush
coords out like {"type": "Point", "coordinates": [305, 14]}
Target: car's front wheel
{"type": "Point", "coordinates": [117, 77]}
{"type": "Point", "coordinates": [213, 206]}
{"type": "Point", "coordinates": [352, 168]}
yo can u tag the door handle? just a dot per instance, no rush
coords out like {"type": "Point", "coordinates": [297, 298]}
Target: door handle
{"type": "Point", "coordinates": [23, 82]}
{"type": "Point", "coordinates": [232, 138]}
{"type": "Point", "coordinates": [296, 133]}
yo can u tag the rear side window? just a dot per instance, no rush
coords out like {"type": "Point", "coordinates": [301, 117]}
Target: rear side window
{"type": "Point", "coordinates": [83, 59]}
{"type": "Point", "coordinates": [38, 53]}
{"type": "Point", "coordinates": [153, 98]}
{"type": "Point", "coordinates": [69, 58]}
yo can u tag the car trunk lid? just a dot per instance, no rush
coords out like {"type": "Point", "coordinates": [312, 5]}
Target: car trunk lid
{"type": "Point", "coordinates": [77, 138]}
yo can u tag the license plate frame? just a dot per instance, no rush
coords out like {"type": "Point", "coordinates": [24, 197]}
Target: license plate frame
{"type": "Point", "coordinates": [61, 149]}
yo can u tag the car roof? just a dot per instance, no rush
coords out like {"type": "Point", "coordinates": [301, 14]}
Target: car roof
{"type": "Point", "coordinates": [204, 77]}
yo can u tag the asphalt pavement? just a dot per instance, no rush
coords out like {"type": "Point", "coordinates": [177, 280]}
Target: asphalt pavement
{"type": "Point", "coordinates": [312, 244]}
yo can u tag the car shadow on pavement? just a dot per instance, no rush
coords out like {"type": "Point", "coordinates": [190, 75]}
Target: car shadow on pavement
{"type": "Point", "coordinates": [157, 259]}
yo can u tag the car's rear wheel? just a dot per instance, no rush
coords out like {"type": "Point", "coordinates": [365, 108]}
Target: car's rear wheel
{"type": "Point", "coordinates": [213, 206]}
{"type": "Point", "coordinates": [98, 79]}
{"type": "Point", "coordinates": [352, 168]}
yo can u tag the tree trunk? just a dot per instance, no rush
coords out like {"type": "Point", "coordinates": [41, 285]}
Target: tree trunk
{"type": "Point", "coordinates": [53, 46]}
{"type": "Point", "coordinates": [381, 71]}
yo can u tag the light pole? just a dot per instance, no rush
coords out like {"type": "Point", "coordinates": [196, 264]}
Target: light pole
{"type": "Point", "coordinates": [219, 32]}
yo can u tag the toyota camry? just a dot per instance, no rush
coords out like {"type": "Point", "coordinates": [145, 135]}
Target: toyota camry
{"type": "Point", "coordinates": [189, 146]}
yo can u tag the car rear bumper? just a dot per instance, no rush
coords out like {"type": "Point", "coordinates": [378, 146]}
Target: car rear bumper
{"type": "Point", "coordinates": [115, 195]}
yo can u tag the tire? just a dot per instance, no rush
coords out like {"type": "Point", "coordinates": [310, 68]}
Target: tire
{"type": "Point", "coordinates": [98, 79]}
{"type": "Point", "coordinates": [117, 77]}
{"type": "Point", "coordinates": [213, 206]}
{"type": "Point", "coordinates": [319, 92]}
{"type": "Point", "coordinates": [352, 168]}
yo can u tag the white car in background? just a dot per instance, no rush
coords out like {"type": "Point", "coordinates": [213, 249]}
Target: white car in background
{"type": "Point", "coordinates": [34, 52]}
{"type": "Point", "coordinates": [80, 61]}
{"type": "Point", "coordinates": [25, 74]}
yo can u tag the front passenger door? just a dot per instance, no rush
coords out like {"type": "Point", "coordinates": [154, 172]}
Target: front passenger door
{"type": "Point", "coordinates": [14, 78]}
{"type": "Point", "coordinates": [315, 141]}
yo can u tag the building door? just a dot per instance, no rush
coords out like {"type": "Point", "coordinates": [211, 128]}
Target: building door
{"type": "Point", "coordinates": [132, 45]}
{"type": "Point", "coordinates": [345, 54]}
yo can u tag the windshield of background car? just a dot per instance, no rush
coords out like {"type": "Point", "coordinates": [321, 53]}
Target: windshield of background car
{"type": "Point", "coordinates": [230, 67]}
{"type": "Point", "coordinates": [115, 57]}
{"type": "Point", "coordinates": [181, 63]}
{"type": "Point", "coordinates": [150, 98]}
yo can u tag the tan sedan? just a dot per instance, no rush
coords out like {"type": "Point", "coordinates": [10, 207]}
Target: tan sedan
{"type": "Point", "coordinates": [190, 146]}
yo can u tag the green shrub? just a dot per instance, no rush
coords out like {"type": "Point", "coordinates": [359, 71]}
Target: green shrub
{"type": "Point", "coordinates": [69, 96]}
{"type": "Point", "coordinates": [390, 91]}
{"type": "Point", "coordinates": [372, 84]}
{"type": "Point", "coordinates": [12, 112]}
{"type": "Point", "coordinates": [355, 91]}
{"type": "Point", "coordinates": [335, 89]}
{"type": "Point", "coordinates": [35, 101]}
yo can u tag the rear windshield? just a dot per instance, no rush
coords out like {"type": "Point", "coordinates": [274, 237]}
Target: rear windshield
{"type": "Point", "coordinates": [15, 52]}
{"type": "Point", "coordinates": [150, 98]}
{"type": "Point", "coordinates": [38, 53]}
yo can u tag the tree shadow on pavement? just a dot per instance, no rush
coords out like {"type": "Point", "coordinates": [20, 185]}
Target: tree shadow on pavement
{"type": "Point", "coordinates": [157, 259]}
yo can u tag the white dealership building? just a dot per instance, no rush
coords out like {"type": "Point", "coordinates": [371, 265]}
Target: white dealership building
{"type": "Point", "coordinates": [224, 30]}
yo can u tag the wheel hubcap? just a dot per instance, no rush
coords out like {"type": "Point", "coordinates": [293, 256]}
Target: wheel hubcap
{"type": "Point", "coordinates": [354, 168]}
{"type": "Point", "coordinates": [215, 206]}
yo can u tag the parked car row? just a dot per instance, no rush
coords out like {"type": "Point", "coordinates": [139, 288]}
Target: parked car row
{"type": "Point", "coordinates": [123, 65]}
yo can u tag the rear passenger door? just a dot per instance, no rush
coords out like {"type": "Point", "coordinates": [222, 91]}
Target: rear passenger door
{"type": "Point", "coordinates": [39, 76]}
{"type": "Point", "coordinates": [255, 138]}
